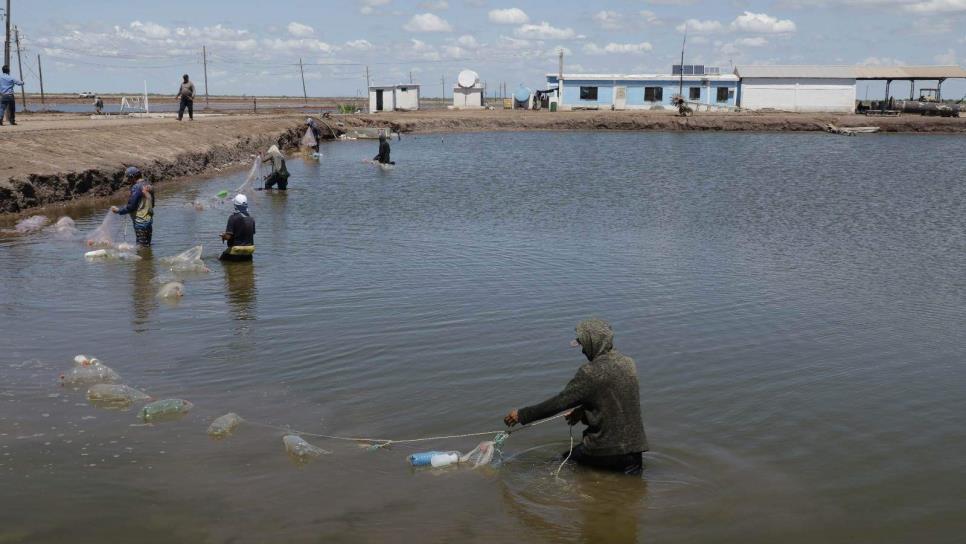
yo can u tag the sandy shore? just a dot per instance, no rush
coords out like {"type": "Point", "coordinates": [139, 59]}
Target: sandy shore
{"type": "Point", "coordinates": [50, 158]}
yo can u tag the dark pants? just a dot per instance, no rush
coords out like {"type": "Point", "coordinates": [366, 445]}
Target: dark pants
{"type": "Point", "coordinates": [186, 103]}
{"type": "Point", "coordinates": [7, 103]}
{"type": "Point", "coordinates": [227, 256]}
{"type": "Point", "coordinates": [279, 178]}
{"type": "Point", "coordinates": [628, 463]}
{"type": "Point", "coordinates": [143, 232]}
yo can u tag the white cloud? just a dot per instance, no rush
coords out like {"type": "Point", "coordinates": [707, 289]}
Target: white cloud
{"type": "Point", "coordinates": [649, 17]}
{"type": "Point", "coordinates": [544, 31]}
{"type": "Point", "coordinates": [300, 30]}
{"type": "Point", "coordinates": [368, 7]}
{"type": "Point", "coordinates": [947, 58]}
{"type": "Point", "coordinates": [607, 19]}
{"type": "Point", "coordinates": [936, 6]}
{"type": "Point", "coordinates": [700, 27]}
{"type": "Point", "coordinates": [434, 5]}
{"type": "Point", "coordinates": [881, 61]}
{"type": "Point", "coordinates": [150, 30]}
{"type": "Point", "coordinates": [757, 41]}
{"type": "Point", "coordinates": [359, 45]}
{"type": "Point", "coordinates": [467, 41]}
{"type": "Point", "coordinates": [427, 22]}
{"type": "Point", "coordinates": [762, 23]}
{"type": "Point", "coordinates": [508, 16]}
{"type": "Point", "coordinates": [301, 44]}
{"type": "Point", "coordinates": [618, 48]}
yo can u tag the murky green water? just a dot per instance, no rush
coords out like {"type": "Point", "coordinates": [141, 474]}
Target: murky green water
{"type": "Point", "coordinates": [795, 303]}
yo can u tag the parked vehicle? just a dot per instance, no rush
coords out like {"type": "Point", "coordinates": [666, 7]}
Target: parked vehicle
{"type": "Point", "coordinates": [87, 94]}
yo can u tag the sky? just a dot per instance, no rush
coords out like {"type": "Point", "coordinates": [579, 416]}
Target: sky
{"type": "Point", "coordinates": [254, 47]}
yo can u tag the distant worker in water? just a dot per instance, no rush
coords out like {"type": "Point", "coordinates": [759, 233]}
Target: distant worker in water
{"type": "Point", "coordinates": [279, 172]}
{"type": "Point", "coordinates": [140, 206]}
{"type": "Point", "coordinates": [383, 156]}
{"type": "Point", "coordinates": [316, 132]}
{"type": "Point", "coordinates": [604, 396]}
{"type": "Point", "coordinates": [187, 95]}
{"type": "Point", "coordinates": [239, 233]}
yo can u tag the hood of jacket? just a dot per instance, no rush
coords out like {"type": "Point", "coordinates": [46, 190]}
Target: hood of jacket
{"type": "Point", "coordinates": [595, 337]}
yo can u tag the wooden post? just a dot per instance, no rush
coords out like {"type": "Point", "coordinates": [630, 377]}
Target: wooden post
{"type": "Point", "coordinates": [6, 42]}
{"type": "Point", "coordinates": [23, 91]}
{"type": "Point", "coordinates": [40, 71]}
{"type": "Point", "coordinates": [305, 95]}
{"type": "Point", "coordinates": [204, 59]}
{"type": "Point", "coordinates": [254, 104]}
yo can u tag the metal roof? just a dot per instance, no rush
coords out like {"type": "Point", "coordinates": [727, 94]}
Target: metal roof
{"type": "Point", "coordinates": [909, 72]}
{"type": "Point", "coordinates": [796, 71]}
{"type": "Point", "coordinates": [641, 77]}
{"type": "Point", "coordinates": [850, 72]}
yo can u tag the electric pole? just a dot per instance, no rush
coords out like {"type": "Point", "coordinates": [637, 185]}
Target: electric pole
{"type": "Point", "coordinates": [40, 71]}
{"type": "Point", "coordinates": [6, 43]}
{"type": "Point", "coordinates": [23, 92]}
{"type": "Point", "coordinates": [204, 60]}
{"type": "Point", "coordinates": [442, 83]}
{"type": "Point", "coordinates": [367, 78]}
{"type": "Point", "coordinates": [305, 95]}
{"type": "Point", "coordinates": [410, 77]}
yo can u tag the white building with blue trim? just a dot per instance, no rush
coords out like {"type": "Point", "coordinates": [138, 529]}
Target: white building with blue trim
{"type": "Point", "coordinates": [701, 86]}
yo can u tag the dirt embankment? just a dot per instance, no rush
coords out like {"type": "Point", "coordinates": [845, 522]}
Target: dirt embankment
{"type": "Point", "coordinates": [44, 160]}
{"type": "Point", "coordinates": [444, 121]}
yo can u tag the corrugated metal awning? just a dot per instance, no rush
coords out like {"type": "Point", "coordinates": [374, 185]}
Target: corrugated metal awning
{"type": "Point", "coordinates": [909, 72]}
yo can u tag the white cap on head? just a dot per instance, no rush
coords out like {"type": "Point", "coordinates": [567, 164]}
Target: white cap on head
{"type": "Point", "coordinates": [241, 200]}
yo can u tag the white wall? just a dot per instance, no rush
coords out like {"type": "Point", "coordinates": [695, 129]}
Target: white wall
{"type": "Point", "coordinates": [467, 98]}
{"type": "Point", "coordinates": [801, 95]}
{"type": "Point", "coordinates": [388, 103]}
{"type": "Point", "coordinates": [407, 98]}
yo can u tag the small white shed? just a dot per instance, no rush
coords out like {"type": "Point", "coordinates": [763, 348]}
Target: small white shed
{"type": "Point", "coordinates": [797, 88]}
{"type": "Point", "coordinates": [402, 97]}
{"type": "Point", "coordinates": [468, 92]}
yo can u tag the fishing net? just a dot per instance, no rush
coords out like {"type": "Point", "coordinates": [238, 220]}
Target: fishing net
{"type": "Point", "coordinates": [165, 410]}
{"type": "Point", "coordinates": [64, 228]}
{"type": "Point", "coordinates": [224, 426]}
{"type": "Point", "coordinates": [171, 290]}
{"type": "Point", "coordinates": [88, 371]}
{"type": "Point", "coordinates": [107, 233]}
{"type": "Point", "coordinates": [186, 261]}
{"type": "Point", "coordinates": [30, 224]}
{"type": "Point", "coordinates": [301, 451]}
{"type": "Point", "coordinates": [309, 141]}
{"type": "Point", "coordinates": [112, 254]}
{"type": "Point", "coordinates": [480, 455]}
{"type": "Point", "coordinates": [106, 395]}
{"type": "Point", "coordinates": [247, 187]}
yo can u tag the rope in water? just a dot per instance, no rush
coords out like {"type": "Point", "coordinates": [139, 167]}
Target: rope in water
{"type": "Point", "coordinates": [385, 442]}
{"type": "Point", "coordinates": [556, 473]}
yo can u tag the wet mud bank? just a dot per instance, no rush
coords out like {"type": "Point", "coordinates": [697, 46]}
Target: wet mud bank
{"type": "Point", "coordinates": [168, 155]}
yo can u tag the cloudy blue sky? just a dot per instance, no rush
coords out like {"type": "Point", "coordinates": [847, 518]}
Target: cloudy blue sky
{"type": "Point", "coordinates": [253, 47]}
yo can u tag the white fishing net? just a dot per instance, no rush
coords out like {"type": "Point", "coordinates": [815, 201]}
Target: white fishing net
{"type": "Point", "coordinates": [186, 261]}
{"type": "Point", "coordinates": [107, 233]}
{"type": "Point", "coordinates": [309, 141]}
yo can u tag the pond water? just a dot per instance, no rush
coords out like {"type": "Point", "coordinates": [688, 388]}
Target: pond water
{"type": "Point", "coordinates": [795, 304]}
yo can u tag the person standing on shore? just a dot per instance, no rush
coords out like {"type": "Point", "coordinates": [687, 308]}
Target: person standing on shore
{"type": "Point", "coordinates": [239, 233]}
{"type": "Point", "coordinates": [98, 105]}
{"type": "Point", "coordinates": [604, 396]}
{"type": "Point", "coordinates": [187, 95]}
{"type": "Point", "coordinates": [140, 206]}
{"type": "Point", "coordinates": [7, 101]}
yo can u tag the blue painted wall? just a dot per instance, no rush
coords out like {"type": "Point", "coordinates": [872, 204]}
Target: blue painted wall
{"type": "Point", "coordinates": [635, 91]}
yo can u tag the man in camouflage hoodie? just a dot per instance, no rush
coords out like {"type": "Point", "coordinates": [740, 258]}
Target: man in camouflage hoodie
{"type": "Point", "coordinates": [604, 396]}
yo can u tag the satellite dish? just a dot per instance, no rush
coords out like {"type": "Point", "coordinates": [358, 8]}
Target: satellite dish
{"type": "Point", "coordinates": [467, 79]}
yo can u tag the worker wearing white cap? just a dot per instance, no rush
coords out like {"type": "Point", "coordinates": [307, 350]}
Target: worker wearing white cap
{"type": "Point", "coordinates": [239, 233]}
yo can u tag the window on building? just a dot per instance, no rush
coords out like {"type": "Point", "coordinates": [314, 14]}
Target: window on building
{"type": "Point", "coordinates": [653, 94]}
{"type": "Point", "coordinates": [588, 93]}
{"type": "Point", "coordinates": [724, 93]}
{"type": "Point", "coordinates": [694, 93]}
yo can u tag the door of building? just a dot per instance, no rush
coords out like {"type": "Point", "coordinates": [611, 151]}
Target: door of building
{"type": "Point", "coordinates": [620, 97]}
{"type": "Point", "coordinates": [379, 100]}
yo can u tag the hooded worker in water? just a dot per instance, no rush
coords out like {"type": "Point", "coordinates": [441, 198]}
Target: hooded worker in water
{"type": "Point", "coordinates": [140, 206]}
{"type": "Point", "coordinates": [279, 174]}
{"type": "Point", "coordinates": [239, 233]}
{"type": "Point", "coordinates": [604, 395]}
{"type": "Point", "coordinates": [383, 156]}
